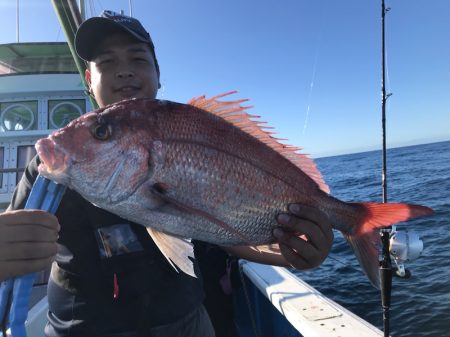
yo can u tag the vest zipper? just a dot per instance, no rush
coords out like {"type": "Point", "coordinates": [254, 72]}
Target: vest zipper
{"type": "Point", "coordinates": [116, 287]}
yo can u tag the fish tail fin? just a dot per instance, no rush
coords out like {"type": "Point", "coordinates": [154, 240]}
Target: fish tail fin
{"type": "Point", "coordinates": [364, 237]}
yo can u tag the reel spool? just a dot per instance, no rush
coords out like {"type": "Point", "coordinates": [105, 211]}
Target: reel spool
{"type": "Point", "coordinates": [404, 246]}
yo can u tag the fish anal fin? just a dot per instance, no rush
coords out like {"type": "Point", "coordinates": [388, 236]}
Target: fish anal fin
{"type": "Point", "coordinates": [235, 114]}
{"type": "Point", "coordinates": [366, 247]}
{"type": "Point", "coordinates": [177, 251]}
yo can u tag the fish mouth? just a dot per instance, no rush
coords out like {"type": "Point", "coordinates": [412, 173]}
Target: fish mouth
{"type": "Point", "coordinates": [54, 162]}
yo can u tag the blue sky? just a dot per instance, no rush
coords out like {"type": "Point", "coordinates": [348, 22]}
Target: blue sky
{"type": "Point", "coordinates": [312, 68]}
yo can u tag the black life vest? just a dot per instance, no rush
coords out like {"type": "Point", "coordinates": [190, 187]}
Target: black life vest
{"type": "Point", "coordinates": [135, 289]}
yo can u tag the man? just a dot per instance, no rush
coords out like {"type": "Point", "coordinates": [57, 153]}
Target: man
{"type": "Point", "coordinates": [93, 291]}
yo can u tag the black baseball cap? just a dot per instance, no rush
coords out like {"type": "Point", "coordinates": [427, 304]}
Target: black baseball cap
{"type": "Point", "coordinates": [92, 31]}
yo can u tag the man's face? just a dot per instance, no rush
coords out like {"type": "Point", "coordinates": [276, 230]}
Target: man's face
{"type": "Point", "coordinates": [122, 68]}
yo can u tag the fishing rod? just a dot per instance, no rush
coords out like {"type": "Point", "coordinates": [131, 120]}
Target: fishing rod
{"type": "Point", "coordinates": [397, 246]}
{"type": "Point", "coordinates": [386, 264]}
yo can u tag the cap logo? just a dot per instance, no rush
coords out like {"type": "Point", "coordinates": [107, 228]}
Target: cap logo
{"type": "Point", "coordinates": [116, 16]}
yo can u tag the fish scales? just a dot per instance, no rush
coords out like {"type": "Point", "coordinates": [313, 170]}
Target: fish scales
{"type": "Point", "coordinates": [233, 189]}
{"type": "Point", "coordinates": [212, 152]}
{"type": "Point", "coordinates": [181, 122]}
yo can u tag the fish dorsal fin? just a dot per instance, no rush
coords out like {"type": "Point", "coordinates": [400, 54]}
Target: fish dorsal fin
{"type": "Point", "coordinates": [234, 113]}
{"type": "Point", "coordinates": [177, 251]}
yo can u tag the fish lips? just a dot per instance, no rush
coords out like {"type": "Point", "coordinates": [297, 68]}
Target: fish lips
{"type": "Point", "coordinates": [53, 160]}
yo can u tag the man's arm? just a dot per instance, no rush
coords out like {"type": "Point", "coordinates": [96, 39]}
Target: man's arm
{"type": "Point", "coordinates": [304, 236]}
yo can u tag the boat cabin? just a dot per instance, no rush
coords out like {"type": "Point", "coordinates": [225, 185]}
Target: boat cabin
{"type": "Point", "coordinates": [40, 90]}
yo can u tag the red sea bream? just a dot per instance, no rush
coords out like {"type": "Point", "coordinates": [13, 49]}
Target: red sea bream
{"type": "Point", "coordinates": [205, 170]}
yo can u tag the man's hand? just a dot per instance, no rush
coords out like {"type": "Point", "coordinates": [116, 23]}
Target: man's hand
{"type": "Point", "coordinates": [27, 241]}
{"type": "Point", "coordinates": [305, 236]}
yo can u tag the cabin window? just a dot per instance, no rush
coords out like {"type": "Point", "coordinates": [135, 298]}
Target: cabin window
{"type": "Point", "coordinates": [18, 116]}
{"type": "Point", "coordinates": [24, 154]}
{"type": "Point", "coordinates": [62, 112]}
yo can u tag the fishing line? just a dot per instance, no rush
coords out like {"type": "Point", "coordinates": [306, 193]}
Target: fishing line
{"type": "Point", "coordinates": [92, 9]}
{"type": "Point", "coordinates": [344, 264]}
{"type": "Point", "coordinates": [101, 7]}
{"type": "Point", "coordinates": [162, 91]}
{"type": "Point", "coordinates": [313, 77]}
{"type": "Point", "coordinates": [58, 34]}
{"type": "Point", "coordinates": [388, 81]}
{"type": "Point", "coordinates": [311, 86]}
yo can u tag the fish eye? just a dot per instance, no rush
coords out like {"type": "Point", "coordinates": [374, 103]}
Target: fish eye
{"type": "Point", "coordinates": [102, 131]}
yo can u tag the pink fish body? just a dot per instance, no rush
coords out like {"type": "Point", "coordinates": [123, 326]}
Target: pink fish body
{"type": "Point", "coordinates": [205, 170]}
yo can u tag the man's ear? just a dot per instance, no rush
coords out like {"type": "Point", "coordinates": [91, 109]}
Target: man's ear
{"type": "Point", "coordinates": [87, 77]}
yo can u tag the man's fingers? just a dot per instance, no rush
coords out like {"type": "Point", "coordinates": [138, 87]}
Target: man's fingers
{"type": "Point", "coordinates": [305, 249]}
{"type": "Point", "coordinates": [299, 227]}
{"type": "Point", "coordinates": [18, 268]}
{"type": "Point", "coordinates": [314, 215]}
{"type": "Point", "coordinates": [28, 233]}
{"type": "Point", "coordinates": [27, 241]}
{"type": "Point", "coordinates": [27, 251]}
{"type": "Point", "coordinates": [305, 236]}
{"type": "Point", "coordinates": [296, 260]}
{"type": "Point", "coordinates": [30, 217]}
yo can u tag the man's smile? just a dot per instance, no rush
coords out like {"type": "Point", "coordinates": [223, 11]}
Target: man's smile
{"type": "Point", "coordinates": [127, 90]}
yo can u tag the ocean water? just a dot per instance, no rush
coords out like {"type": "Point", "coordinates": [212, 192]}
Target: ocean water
{"type": "Point", "coordinates": [420, 305]}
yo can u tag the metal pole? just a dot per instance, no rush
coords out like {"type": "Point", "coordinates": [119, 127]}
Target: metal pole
{"type": "Point", "coordinates": [69, 19]}
{"type": "Point", "coordinates": [82, 10]}
{"type": "Point", "coordinates": [386, 266]}
{"type": "Point", "coordinates": [17, 21]}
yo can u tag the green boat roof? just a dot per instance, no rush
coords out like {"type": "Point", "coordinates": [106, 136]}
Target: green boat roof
{"type": "Point", "coordinates": [36, 58]}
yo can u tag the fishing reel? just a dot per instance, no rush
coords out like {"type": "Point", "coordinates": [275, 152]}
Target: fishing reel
{"type": "Point", "coordinates": [404, 246]}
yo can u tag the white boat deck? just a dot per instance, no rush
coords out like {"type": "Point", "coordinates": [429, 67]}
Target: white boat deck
{"type": "Point", "coordinates": [309, 311]}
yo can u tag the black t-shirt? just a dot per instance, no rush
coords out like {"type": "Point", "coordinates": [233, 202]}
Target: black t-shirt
{"type": "Point", "coordinates": [90, 294]}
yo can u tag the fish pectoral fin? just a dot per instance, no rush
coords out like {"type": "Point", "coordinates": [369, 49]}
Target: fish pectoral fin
{"type": "Point", "coordinates": [177, 251]}
{"type": "Point", "coordinates": [159, 190]}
